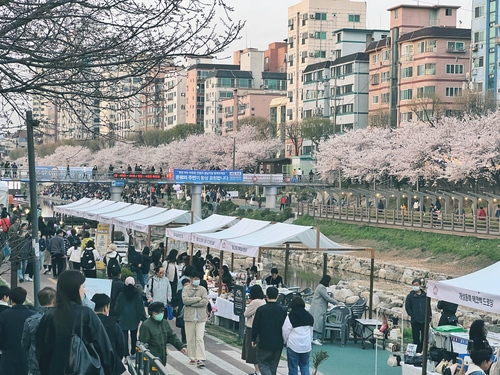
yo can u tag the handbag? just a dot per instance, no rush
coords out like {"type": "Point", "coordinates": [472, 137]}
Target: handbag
{"type": "Point", "coordinates": [441, 366]}
{"type": "Point", "coordinates": [83, 359]}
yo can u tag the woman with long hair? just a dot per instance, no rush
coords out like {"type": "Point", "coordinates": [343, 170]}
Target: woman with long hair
{"type": "Point", "coordinates": [319, 306]}
{"type": "Point", "coordinates": [249, 353]}
{"type": "Point", "coordinates": [53, 336]}
{"type": "Point", "coordinates": [129, 311]}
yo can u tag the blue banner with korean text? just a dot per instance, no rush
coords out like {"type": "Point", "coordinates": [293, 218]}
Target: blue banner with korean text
{"type": "Point", "coordinates": [207, 176]}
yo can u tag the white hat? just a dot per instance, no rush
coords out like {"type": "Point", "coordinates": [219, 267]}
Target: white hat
{"type": "Point", "coordinates": [129, 281]}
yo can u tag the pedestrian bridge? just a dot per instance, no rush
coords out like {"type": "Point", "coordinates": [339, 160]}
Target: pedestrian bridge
{"type": "Point", "coordinates": [79, 175]}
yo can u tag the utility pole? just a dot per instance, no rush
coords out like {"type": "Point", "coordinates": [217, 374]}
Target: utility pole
{"type": "Point", "coordinates": [234, 153]}
{"type": "Point", "coordinates": [335, 107]}
{"type": "Point", "coordinates": [30, 124]}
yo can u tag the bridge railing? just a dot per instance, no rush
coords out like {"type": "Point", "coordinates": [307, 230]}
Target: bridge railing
{"type": "Point", "coordinates": [417, 219]}
{"type": "Point", "coordinates": [61, 175]}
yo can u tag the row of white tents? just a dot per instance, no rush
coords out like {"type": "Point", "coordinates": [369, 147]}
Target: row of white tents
{"type": "Point", "coordinates": [225, 233]}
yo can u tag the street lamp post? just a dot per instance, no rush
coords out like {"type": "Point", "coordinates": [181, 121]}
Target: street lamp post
{"type": "Point", "coordinates": [30, 124]}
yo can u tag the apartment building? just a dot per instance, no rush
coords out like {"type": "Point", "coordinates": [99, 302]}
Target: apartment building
{"type": "Point", "coordinates": [311, 39]}
{"type": "Point", "coordinates": [418, 72]}
{"type": "Point", "coordinates": [255, 104]}
{"type": "Point", "coordinates": [338, 90]}
{"type": "Point", "coordinates": [275, 57]}
{"type": "Point", "coordinates": [485, 76]}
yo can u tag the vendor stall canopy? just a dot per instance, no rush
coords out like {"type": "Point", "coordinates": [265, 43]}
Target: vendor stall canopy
{"type": "Point", "coordinates": [478, 290]}
{"type": "Point", "coordinates": [246, 236]}
{"type": "Point", "coordinates": [127, 215]}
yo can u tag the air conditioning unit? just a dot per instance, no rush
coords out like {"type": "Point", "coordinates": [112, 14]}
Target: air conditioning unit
{"type": "Point", "coordinates": [474, 72]}
{"type": "Point", "coordinates": [475, 47]}
{"type": "Point", "coordinates": [311, 54]}
{"type": "Point", "coordinates": [311, 35]}
{"type": "Point", "coordinates": [312, 16]}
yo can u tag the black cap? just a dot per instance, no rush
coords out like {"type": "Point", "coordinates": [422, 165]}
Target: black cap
{"type": "Point", "coordinates": [156, 307]}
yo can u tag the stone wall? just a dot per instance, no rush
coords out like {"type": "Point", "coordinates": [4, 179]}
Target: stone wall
{"type": "Point", "coordinates": [387, 299]}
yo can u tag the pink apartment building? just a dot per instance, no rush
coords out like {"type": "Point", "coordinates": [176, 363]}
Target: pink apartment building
{"type": "Point", "coordinates": [420, 75]}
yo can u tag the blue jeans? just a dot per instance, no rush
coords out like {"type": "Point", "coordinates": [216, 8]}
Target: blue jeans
{"type": "Point", "coordinates": [297, 360]}
{"type": "Point", "coordinates": [316, 335]}
{"type": "Point", "coordinates": [22, 269]}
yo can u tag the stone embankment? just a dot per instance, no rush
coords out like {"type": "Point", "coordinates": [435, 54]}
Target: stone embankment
{"type": "Point", "coordinates": [392, 284]}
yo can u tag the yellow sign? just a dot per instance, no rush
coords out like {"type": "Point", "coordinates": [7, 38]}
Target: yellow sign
{"type": "Point", "coordinates": [102, 238]}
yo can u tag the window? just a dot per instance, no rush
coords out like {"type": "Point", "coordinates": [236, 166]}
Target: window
{"type": "Point", "coordinates": [426, 69]}
{"type": "Point", "coordinates": [375, 99]}
{"type": "Point", "coordinates": [448, 12]}
{"type": "Point", "coordinates": [426, 91]}
{"type": "Point", "coordinates": [479, 62]}
{"type": "Point", "coordinates": [406, 94]}
{"type": "Point", "coordinates": [479, 36]}
{"type": "Point", "coordinates": [384, 77]}
{"type": "Point", "coordinates": [454, 69]}
{"type": "Point", "coordinates": [375, 79]}
{"type": "Point", "coordinates": [386, 55]}
{"type": "Point", "coordinates": [321, 54]}
{"type": "Point", "coordinates": [479, 11]}
{"type": "Point", "coordinates": [375, 58]}
{"type": "Point", "coordinates": [453, 91]}
{"type": "Point", "coordinates": [339, 37]}
{"type": "Point", "coordinates": [479, 86]}
{"type": "Point", "coordinates": [427, 46]}
{"type": "Point", "coordinates": [320, 35]}
{"type": "Point", "coordinates": [354, 18]}
{"type": "Point", "coordinates": [455, 47]}
{"type": "Point", "coordinates": [347, 68]}
{"type": "Point", "coordinates": [406, 116]}
{"type": "Point", "coordinates": [396, 14]}
{"type": "Point", "coordinates": [407, 72]}
{"type": "Point", "coordinates": [320, 16]}
{"type": "Point", "coordinates": [385, 98]}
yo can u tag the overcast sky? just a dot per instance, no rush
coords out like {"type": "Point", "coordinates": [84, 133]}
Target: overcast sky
{"type": "Point", "coordinates": [266, 20]}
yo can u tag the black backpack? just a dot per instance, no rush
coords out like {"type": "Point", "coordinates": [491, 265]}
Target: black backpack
{"type": "Point", "coordinates": [114, 264]}
{"type": "Point", "coordinates": [88, 260]}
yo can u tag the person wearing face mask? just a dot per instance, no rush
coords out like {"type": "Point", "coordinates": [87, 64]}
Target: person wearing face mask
{"type": "Point", "coordinates": [155, 333]}
{"type": "Point", "coordinates": [415, 308]}
{"type": "Point", "coordinates": [195, 299]}
{"type": "Point", "coordinates": [158, 288]}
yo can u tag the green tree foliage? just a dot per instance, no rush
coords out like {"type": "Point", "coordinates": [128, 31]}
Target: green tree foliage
{"type": "Point", "coordinates": [154, 138]}
{"type": "Point", "coordinates": [264, 129]}
{"type": "Point", "coordinates": [317, 129]}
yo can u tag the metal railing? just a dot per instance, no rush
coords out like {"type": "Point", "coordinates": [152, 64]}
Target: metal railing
{"type": "Point", "coordinates": [403, 218]}
{"type": "Point", "coordinates": [145, 363]}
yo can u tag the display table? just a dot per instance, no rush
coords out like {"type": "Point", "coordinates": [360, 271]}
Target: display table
{"type": "Point", "coordinates": [225, 310]}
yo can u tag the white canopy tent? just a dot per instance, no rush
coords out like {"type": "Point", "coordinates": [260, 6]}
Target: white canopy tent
{"type": "Point", "coordinates": [160, 220]}
{"type": "Point", "coordinates": [78, 210]}
{"type": "Point", "coordinates": [208, 225]}
{"type": "Point", "coordinates": [93, 213]}
{"type": "Point", "coordinates": [80, 202]}
{"type": "Point", "coordinates": [127, 220]}
{"type": "Point", "coordinates": [477, 290]}
{"type": "Point", "coordinates": [130, 210]}
{"type": "Point", "coordinates": [4, 193]}
{"type": "Point", "coordinates": [243, 227]}
{"type": "Point", "coordinates": [276, 235]}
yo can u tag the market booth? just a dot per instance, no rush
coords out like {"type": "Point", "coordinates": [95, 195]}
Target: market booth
{"type": "Point", "coordinates": [478, 290]}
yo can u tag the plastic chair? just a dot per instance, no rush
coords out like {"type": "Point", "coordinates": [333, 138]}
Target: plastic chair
{"type": "Point", "coordinates": [358, 309]}
{"type": "Point", "coordinates": [338, 320]}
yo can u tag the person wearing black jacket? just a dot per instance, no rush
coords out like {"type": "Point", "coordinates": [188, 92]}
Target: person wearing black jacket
{"type": "Point", "coordinates": [14, 360]}
{"type": "Point", "coordinates": [449, 314]}
{"type": "Point", "coordinates": [135, 260]}
{"type": "Point", "coordinates": [415, 308]}
{"type": "Point", "coordinates": [266, 333]}
{"type": "Point", "coordinates": [116, 287]}
{"type": "Point", "coordinates": [58, 252]}
{"type": "Point", "coordinates": [112, 328]}
{"type": "Point", "coordinates": [53, 336]}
